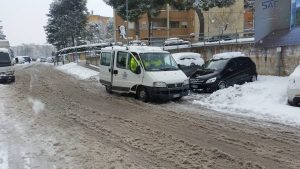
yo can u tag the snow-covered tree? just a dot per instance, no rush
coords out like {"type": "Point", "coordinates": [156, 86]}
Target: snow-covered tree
{"type": "Point", "coordinates": [100, 32]}
{"type": "Point", "coordinates": [66, 23]}
{"type": "Point", "coordinates": [2, 36]}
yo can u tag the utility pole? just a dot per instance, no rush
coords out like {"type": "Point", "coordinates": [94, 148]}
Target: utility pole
{"type": "Point", "coordinates": [127, 21]}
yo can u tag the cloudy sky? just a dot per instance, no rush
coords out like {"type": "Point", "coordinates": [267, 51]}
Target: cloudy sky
{"type": "Point", "coordinates": [23, 20]}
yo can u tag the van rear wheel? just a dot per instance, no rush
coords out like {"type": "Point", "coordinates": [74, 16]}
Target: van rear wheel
{"type": "Point", "coordinates": [142, 94]}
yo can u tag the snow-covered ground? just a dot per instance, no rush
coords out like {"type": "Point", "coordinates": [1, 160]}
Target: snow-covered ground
{"type": "Point", "coordinates": [78, 71]}
{"type": "Point", "coordinates": [264, 99]}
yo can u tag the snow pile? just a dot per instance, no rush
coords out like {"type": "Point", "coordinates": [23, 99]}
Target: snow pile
{"type": "Point", "coordinates": [37, 105]}
{"type": "Point", "coordinates": [187, 58]}
{"type": "Point", "coordinates": [78, 71]}
{"type": "Point", "coordinates": [265, 99]}
{"type": "Point", "coordinates": [296, 72]}
{"type": "Point", "coordinates": [228, 55]}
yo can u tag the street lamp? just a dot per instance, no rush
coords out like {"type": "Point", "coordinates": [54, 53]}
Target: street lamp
{"type": "Point", "coordinates": [127, 21]}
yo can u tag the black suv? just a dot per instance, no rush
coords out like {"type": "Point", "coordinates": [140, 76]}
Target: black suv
{"type": "Point", "coordinates": [222, 72]}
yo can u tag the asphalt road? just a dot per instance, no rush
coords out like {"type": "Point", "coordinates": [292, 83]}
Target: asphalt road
{"type": "Point", "coordinates": [52, 120]}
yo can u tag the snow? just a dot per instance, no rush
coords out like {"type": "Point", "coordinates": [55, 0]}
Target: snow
{"type": "Point", "coordinates": [240, 40]}
{"type": "Point", "coordinates": [78, 71]}
{"type": "Point", "coordinates": [37, 105]}
{"type": "Point", "coordinates": [228, 55]}
{"type": "Point", "coordinates": [4, 50]}
{"type": "Point", "coordinates": [296, 72]}
{"type": "Point", "coordinates": [186, 58]}
{"type": "Point", "coordinates": [264, 99]}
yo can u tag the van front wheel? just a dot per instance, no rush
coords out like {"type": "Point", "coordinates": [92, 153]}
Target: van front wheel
{"type": "Point", "coordinates": [142, 94]}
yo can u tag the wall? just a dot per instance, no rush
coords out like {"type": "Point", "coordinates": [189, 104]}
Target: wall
{"type": "Point", "coordinates": [269, 61]}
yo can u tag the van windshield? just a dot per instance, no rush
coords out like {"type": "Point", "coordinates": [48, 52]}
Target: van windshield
{"type": "Point", "coordinates": [158, 62]}
{"type": "Point", "coordinates": [216, 64]}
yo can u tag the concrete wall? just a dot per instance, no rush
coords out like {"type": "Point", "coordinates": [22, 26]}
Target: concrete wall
{"type": "Point", "coordinates": [269, 61]}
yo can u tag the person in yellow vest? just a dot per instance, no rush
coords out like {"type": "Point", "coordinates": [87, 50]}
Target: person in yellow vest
{"type": "Point", "coordinates": [133, 64]}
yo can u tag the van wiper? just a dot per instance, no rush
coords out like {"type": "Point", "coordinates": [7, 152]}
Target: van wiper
{"type": "Point", "coordinates": [168, 68]}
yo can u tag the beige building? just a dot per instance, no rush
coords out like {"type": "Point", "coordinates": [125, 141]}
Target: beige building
{"type": "Point", "coordinates": [185, 24]}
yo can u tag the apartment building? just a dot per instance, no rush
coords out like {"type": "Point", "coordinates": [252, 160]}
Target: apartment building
{"type": "Point", "coordinates": [185, 24]}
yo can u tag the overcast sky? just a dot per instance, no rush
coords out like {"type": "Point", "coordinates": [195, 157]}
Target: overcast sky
{"type": "Point", "coordinates": [23, 20]}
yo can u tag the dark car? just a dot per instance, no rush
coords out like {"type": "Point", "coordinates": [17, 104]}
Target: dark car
{"type": "Point", "coordinates": [219, 38]}
{"type": "Point", "coordinates": [223, 72]}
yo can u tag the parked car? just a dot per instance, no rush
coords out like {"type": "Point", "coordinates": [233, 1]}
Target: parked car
{"type": "Point", "coordinates": [219, 38]}
{"type": "Point", "coordinates": [175, 41]}
{"type": "Point", "coordinates": [7, 73]}
{"type": "Point", "coordinates": [148, 72]}
{"type": "Point", "coordinates": [293, 90]}
{"type": "Point", "coordinates": [23, 59]}
{"type": "Point", "coordinates": [188, 62]}
{"type": "Point", "coordinates": [43, 59]}
{"type": "Point", "coordinates": [224, 70]}
{"type": "Point", "coordinates": [137, 43]}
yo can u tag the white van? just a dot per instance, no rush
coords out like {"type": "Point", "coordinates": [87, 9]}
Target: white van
{"type": "Point", "coordinates": [148, 72]}
{"type": "Point", "coordinates": [7, 73]}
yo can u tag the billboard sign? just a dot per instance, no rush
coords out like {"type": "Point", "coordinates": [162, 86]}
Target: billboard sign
{"type": "Point", "coordinates": [271, 15]}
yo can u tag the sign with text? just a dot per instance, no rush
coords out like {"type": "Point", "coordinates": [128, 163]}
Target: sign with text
{"type": "Point", "coordinates": [271, 15]}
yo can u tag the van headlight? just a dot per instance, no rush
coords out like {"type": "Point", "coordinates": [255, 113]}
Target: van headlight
{"type": "Point", "coordinates": [186, 82]}
{"type": "Point", "coordinates": [10, 72]}
{"type": "Point", "coordinates": [212, 80]}
{"type": "Point", "coordinates": [159, 84]}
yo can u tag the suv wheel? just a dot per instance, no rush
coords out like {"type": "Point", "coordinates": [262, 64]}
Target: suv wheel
{"type": "Point", "coordinates": [254, 78]}
{"type": "Point", "coordinates": [142, 94]}
{"type": "Point", "coordinates": [222, 85]}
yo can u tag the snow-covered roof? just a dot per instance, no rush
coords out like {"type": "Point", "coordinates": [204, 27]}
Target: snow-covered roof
{"type": "Point", "coordinates": [187, 58]}
{"type": "Point", "coordinates": [4, 50]}
{"type": "Point", "coordinates": [228, 55]}
{"type": "Point", "coordinates": [296, 72]}
{"type": "Point", "coordinates": [137, 49]}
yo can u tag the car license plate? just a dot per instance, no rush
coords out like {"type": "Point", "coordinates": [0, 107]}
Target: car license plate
{"type": "Point", "coordinates": [195, 86]}
{"type": "Point", "coordinates": [176, 95]}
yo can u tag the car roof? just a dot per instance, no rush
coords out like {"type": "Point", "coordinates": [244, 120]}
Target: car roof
{"type": "Point", "coordinates": [228, 55]}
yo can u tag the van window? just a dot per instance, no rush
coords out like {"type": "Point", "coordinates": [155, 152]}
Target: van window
{"type": "Point", "coordinates": [122, 60]}
{"type": "Point", "coordinates": [105, 59]}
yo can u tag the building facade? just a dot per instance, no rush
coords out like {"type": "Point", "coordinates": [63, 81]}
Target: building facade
{"type": "Point", "coordinates": [185, 24]}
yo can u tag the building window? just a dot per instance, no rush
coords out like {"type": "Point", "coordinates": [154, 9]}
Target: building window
{"type": "Point", "coordinates": [174, 24]}
{"type": "Point", "coordinates": [159, 23]}
{"type": "Point", "coordinates": [297, 12]}
{"type": "Point", "coordinates": [131, 25]}
{"type": "Point", "coordinates": [183, 24]}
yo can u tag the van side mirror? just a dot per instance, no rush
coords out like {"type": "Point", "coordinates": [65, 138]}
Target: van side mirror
{"type": "Point", "coordinates": [179, 66]}
{"type": "Point", "coordinates": [138, 70]}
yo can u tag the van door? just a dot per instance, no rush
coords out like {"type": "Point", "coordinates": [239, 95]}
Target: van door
{"type": "Point", "coordinates": [106, 62]}
{"type": "Point", "coordinates": [123, 78]}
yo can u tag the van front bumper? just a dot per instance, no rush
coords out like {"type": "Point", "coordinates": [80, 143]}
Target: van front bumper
{"type": "Point", "coordinates": [165, 93]}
